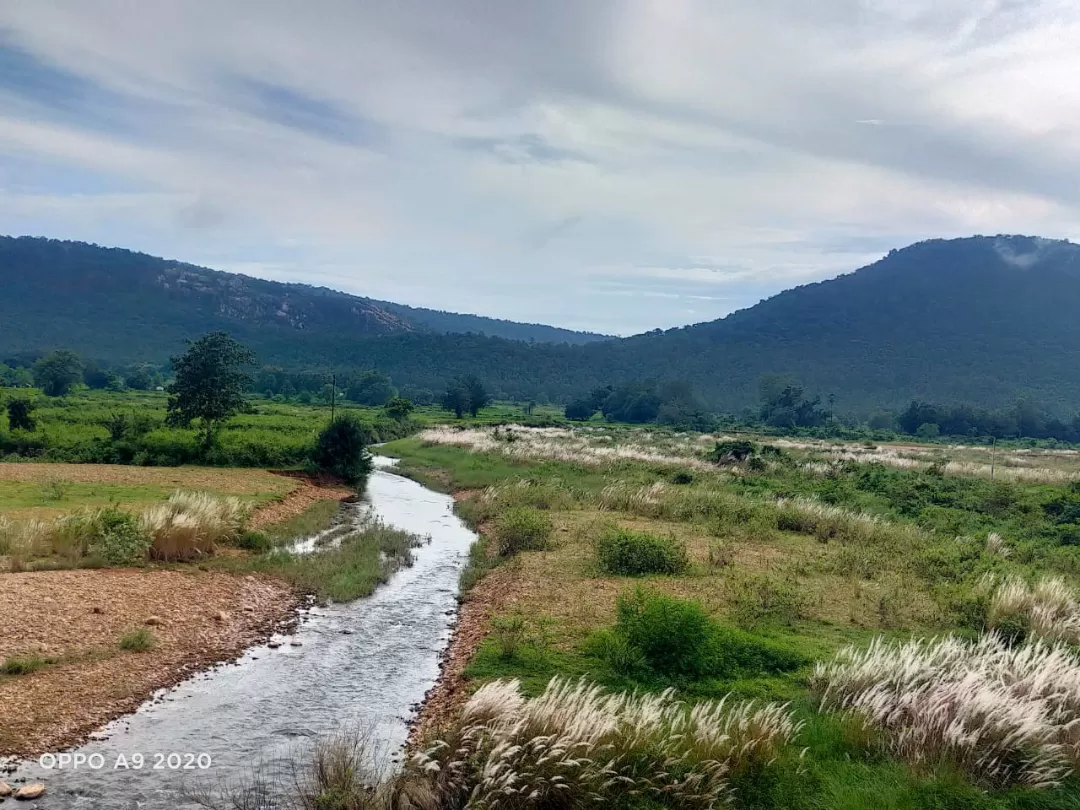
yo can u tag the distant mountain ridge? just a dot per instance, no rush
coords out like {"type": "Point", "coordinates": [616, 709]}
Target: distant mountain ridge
{"type": "Point", "coordinates": [983, 320]}
{"type": "Point", "coordinates": [72, 293]}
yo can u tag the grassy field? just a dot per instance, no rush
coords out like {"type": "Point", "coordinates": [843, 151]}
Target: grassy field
{"type": "Point", "coordinates": [774, 564]}
{"type": "Point", "coordinates": [41, 491]}
{"type": "Point", "coordinates": [129, 428]}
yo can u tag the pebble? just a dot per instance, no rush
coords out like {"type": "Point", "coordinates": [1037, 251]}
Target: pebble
{"type": "Point", "coordinates": [273, 645]}
{"type": "Point", "coordinates": [296, 643]}
{"type": "Point", "coordinates": [5, 789]}
{"type": "Point", "coordinates": [30, 792]}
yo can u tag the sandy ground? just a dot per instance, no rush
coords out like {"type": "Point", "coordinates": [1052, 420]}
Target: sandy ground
{"type": "Point", "coordinates": [199, 618]}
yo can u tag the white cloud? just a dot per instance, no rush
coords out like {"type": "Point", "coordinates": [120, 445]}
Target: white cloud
{"type": "Point", "coordinates": [519, 160]}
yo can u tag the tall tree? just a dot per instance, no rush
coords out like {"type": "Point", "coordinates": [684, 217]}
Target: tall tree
{"type": "Point", "coordinates": [455, 399]}
{"type": "Point", "coordinates": [479, 397]}
{"type": "Point", "coordinates": [210, 383]}
{"type": "Point", "coordinates": [20, 414]}
{"type": "Point", "coordinates": [55, 373]}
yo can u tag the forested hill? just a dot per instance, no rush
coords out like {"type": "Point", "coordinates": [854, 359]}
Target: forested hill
{"type": "Point", "coordinates": [983, 320]}
{"type": "Point", "coordinates": [115, 304]}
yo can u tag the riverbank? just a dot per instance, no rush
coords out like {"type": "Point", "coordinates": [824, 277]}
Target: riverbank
{"type": "Point", "coordinates": [69, 624]}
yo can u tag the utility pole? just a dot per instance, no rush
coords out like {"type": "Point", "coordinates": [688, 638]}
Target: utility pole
{"type": "Point", "coordinates": [993, 455]}
{"type": "Point", "coordinates": [333, 395]}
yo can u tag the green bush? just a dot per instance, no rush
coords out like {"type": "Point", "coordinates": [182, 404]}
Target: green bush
{"type": "Point", "coordinates": [139, 640]}
{"type": "Point", "coordinates": [621, 552]}
{"type": "Point", "coordinates": [254, 541]}
{"type": "Point", "coordinates": [522, 529]}
{"type": "Point", "coordinates": [672, 635]}
{"type": "Point", "coordinates": [677, 639]}
{"type": "Point", "coordinates": [758, 599]}
{"type": "Point", "coordinates": [341, 450]}
{"type": "Point", "coordinates": [116, 537]}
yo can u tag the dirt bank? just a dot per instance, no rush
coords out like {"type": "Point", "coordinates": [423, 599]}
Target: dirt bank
{"type": "Point", "coordinates": [307, 491]}
{"type": "Point", "coordinates": [76, 618]}
{"type": "Point", "coordinates": [491, 595]}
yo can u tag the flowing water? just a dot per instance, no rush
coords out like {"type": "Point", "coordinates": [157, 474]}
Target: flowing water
{"type": "Point", "coordinates": [364, 664]}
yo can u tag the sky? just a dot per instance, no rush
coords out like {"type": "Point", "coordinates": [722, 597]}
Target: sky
{"type": "Point", "coordinates": [609, 165]}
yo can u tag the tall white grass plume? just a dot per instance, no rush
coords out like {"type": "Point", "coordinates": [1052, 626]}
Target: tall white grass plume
{"type": "Point", "coordinates": [576, 745]}
{"type": "Point", "coordinates": [192, 524]}
{"type": "Point", "coordinates": [998, 546]}
{"type": "Point", "coordinates": [1005, 714]}
{"type": "Point", "coordinates": [1049, 609]}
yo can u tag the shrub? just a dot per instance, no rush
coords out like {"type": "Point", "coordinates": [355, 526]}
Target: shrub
{"type": "Point", "coordinates": [254, 541]}
{"type": "Point", "coordinates": [118, 537]}
{"type": "Point", "coordinates": [575, 746]}
{"type": "Point", "coordinates": [621, 552]}
{"type": "Point", "coordinates": [757, 599]}
{"type": "Point", "coordinates": [522, 529]}
{"type": "Point", "coordinates": [139, 640]}
{"type": "Point", "coordinates": [509, 634]}
{"type": "Point", "coordinates": [341, 450]}
{"type": "Point", "coordinates": [673, 635]}
{"type": "Point", "coordinates": [20, 414]}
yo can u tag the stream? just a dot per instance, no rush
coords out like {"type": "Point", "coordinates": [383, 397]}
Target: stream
{"type": "Point", "coordinates": [360, 665]}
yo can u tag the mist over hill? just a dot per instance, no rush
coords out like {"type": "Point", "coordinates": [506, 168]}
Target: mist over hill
{"type": "Point", "coordinates": [984, 320]}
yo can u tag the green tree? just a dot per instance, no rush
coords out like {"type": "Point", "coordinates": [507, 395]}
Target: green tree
{"type": "Point", "coordinates": [341, 450]}
{"type": "Point", "coordinates": [399, 408]}
{"type": "Point", "coordinates": [55, 373]}
{"type": "Point", "coordinates": [928, 430]}
{"type": "Point", "coordinates": [478, 395]}
{"type": "Point", "coordinates": [455, 399]}
{"type": "Point", "coordinates": [20, 414]}
{"type": "Point", "coordinates": [210, 383]}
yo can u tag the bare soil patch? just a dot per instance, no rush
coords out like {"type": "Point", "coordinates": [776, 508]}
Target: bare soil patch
{"type": "Point", "coordinates": [199, 619]}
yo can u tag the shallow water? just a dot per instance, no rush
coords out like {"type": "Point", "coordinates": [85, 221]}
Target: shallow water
{"type": "Point", "coordinates": [364, 664]}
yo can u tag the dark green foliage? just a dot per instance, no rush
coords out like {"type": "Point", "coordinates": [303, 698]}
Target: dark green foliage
{"type": "Point", "coordinates": [926, 420]}
{"type": "Point", "coordinates": [465, 394]}
{"type": "Point", "coordinates": [974, 328]}
{"type": "Point", "coordinates": [114, 536]}
{"type": "Point", "coordinates": [580, 410]}
{"type": "Point", "coordinates": [399, 409]}
{"type": "Point", "coordinates": [253, 540]}
{"type": "Point", "coordinates": [370, 388]}
{"type": "Point", "coordinates": [784, 404]}
{"type": "Point", "coordinates": [56, 373]}
{"type": "Point", "coordinates": [341, 450]}
{"type": "Point", "coordinates": [621, 552]}
{"type": "Point", "coordinates": [522, 529]}
{"type": "Point", "coordinates": [673, 635]}
{"type": "Point", "coordinates": [676, 638]}
{"type": "Point", "coordinates": [479, 396]}
{"type": "Point", "coordinates": [732, 451]}
{"type": "Point", "coordinates": [20, 414]}
{"type": "Point", "coordinates": [210, 382]}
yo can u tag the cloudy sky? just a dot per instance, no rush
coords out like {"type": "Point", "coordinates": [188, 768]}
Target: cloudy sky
{"type": "Point", "coordinates": [613, 165]}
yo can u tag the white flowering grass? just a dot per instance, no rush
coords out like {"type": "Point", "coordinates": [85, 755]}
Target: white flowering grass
{"type": "Point", "coordinates": [581, 446]}
{"type": "Point", "coordinates": [576, 745]}
{"type": "Point", "coordinates": [1003, 714]}
{"type": "Point", "coordinates": [192, 524]}
{"type": "Point", "coordinates": [1048, 609]}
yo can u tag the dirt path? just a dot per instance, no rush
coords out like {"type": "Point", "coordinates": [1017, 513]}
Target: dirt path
{"type": "Point", "coordinates": [77, 617]}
